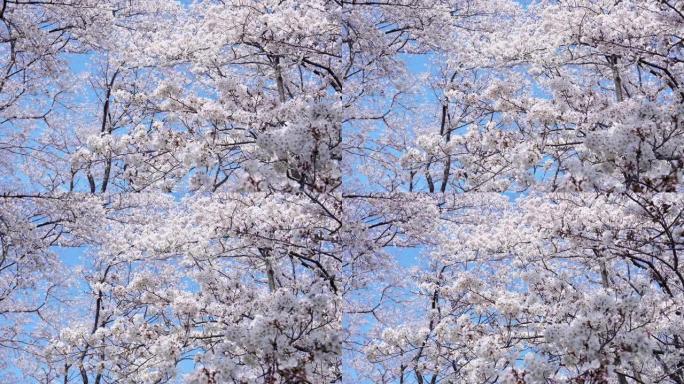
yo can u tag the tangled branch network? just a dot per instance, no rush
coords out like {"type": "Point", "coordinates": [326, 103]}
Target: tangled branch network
{"type": "Point", "coordinates": [342, 191]}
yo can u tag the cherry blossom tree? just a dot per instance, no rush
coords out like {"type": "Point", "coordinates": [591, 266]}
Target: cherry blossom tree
{"type": "Point", "coordinates": [550, 288]}
{"type": "Point", "coordinates": [531, 100]}
{"type": "Point", "coordinates": [551, 97]}
{"type": "Point", "coordinates": [328, 191]}
{"type": "Point", "coordinates": [152, 138]}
